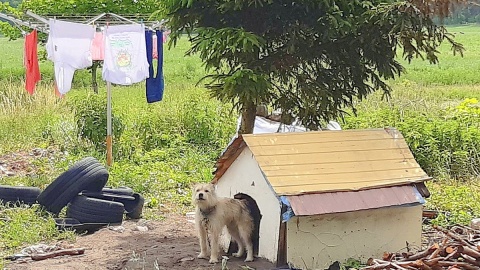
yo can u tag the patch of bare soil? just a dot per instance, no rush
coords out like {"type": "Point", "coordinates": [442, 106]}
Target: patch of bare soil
{"type": "Point", "coordinates": [22, 163]}
{"type": "Point", "coordinates": [168, 244]}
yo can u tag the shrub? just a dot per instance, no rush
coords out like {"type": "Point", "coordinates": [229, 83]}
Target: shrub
{"type": "Point", "coordinates": [206, 124]}
{"type": "Point", "coordinates": [91, 120]}
{"type": "Point", "coordinates": [446, 144]}
{"type": "Point", "coordinates": [457, 203]}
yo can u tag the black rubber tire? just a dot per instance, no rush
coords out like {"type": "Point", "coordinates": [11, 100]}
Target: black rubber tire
{"type": "Point", "coordinates": [133, 204]}
{"type": "Point", "coordinates": [86, 174]}
{"type": "Point", "coordinates": [25, 195]}
{"type": "Point", "coordinates": [107, 196]}
{"type": "Point", "coordinates": [48, 196]}
{"type": "Point", "coordinates": [92, 210]}
{"type": "Point", "coordinates": [134, 208]}
{"type": "Point", "coordinates": [72, 224]}
{"type": "Point", "coordinates": [119, 190]}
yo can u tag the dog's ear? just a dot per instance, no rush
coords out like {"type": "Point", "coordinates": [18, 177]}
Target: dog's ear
{"type": "Point", "coordinates": [211, 187]}
{"type": "Point", "coordinates": [195, 187]}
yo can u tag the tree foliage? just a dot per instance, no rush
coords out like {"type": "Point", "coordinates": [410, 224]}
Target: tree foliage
{"type": "Point", "coordinates": [81, 7]}
{"type": "Point", "coordinates": [6, 28]}
{"type": "Point", "coordinates": [13, 3]}
{"type": "Point", "coordinates": [310, 58]}
{"type": "Point", "coordinates": [143, 8]}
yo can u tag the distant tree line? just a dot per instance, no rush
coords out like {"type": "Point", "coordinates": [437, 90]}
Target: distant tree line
{"type": "Point", "coordinates": [468, 14]}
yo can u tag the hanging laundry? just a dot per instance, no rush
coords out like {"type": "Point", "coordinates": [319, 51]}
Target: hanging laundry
{"type": "Point", "coordinates": [68, 46]}
{"type": "Point", "coordinates": [165, 35]}
{"type": "Point", "coordinates": [155, 49]}
{"type": "Point", "coordinates": [32, 74]}
{"type": "Point", "coordinates": [154, 85]}
{"type": "Point", "coordinates": [98, 48]}
{"type": "Point", "coordinates": [125, 60]}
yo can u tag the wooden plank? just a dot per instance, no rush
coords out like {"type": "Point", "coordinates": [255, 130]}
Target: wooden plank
{"type": "Point", "coordinates": [316, 136]}
{"type": "Point", "coordinates": [346, 180]}
{"type": "Point", "coordinates": [282, 241]}
{"type": "Point", "coordinates": [316, 188]}
{"type": "Point", "coordinates": [339, 167]}
{"type": "Point", "coordinates": [318, 158]}
{"type": "Point", "coordinates": [326, 147]}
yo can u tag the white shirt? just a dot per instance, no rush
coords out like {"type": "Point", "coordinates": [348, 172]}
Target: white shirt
{"type": "Point", "coordinates": [125, 60]}
{"type": "Point", "coordinates": [68, 46]}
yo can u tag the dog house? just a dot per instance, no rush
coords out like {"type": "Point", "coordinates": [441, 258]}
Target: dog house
{"type": "Point", "coordinates": [326, 196]}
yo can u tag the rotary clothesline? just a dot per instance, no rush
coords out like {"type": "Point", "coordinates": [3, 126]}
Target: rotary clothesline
{"type": "Point", "coordinates": [40, 23]}
{"type": "Point", "coordinates": [126, 47]}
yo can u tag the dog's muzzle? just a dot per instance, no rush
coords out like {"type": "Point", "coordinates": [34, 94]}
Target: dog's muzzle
{"type": "Point", "coordinates": [200, 197]}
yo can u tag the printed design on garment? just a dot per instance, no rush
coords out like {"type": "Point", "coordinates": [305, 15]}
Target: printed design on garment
{"type": "Point", "coordinates": [121, 46]}
{"type": "Point", "coordinates": [123, 59]}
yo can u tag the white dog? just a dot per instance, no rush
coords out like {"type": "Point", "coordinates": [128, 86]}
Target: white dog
{"type": "Point", "coordinates": [213, 214]}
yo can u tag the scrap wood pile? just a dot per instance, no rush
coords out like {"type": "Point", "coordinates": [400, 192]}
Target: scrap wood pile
{"type": "Point", "coordinates": [459, 248]}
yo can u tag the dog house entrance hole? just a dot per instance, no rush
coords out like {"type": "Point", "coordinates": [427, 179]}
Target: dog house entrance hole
{"type": "Point", "coordinates": [256, 215]}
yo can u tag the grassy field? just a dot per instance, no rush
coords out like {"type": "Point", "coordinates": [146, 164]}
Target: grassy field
{"type": "Point", "coordinates": [167, 146]}
{"type": "Point", "coordinates": [452, 69]}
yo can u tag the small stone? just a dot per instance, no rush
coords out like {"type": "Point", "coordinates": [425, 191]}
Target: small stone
{"type": "Point", "coordinates": [186, 259]}
{"type": "Point", "coordinates": [119, 229]}
{"type": "Point", "coordinates": [141, 228]}
{"type": "Point", "coordinates": [475, 223]}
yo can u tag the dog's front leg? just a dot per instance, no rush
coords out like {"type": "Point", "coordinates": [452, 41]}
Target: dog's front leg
{"type": "Point", "coordinates": [203, 238]}
{"type": "Point", "coordinates": [214, 249]}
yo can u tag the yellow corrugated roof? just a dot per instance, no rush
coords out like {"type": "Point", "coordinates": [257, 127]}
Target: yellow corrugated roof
{"type": "Point", "coordinates": [326, 161]}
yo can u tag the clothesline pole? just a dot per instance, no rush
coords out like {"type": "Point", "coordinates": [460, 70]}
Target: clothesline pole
{"type": "Point", "coordinates": [109, 125]}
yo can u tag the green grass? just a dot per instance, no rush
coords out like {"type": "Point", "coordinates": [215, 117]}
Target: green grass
{"type": "Point", "coordinates": [167, 146]}
{"type": "Point", "coordinates": [22, 225]}
{"type": "Point", "coordinates": [456, 202]}
{"type": "Point", "coordinates": [452, 69]}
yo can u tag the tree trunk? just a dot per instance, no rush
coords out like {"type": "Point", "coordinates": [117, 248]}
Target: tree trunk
{"type": "Point", "coordinates": [248, 118]}
{"type": "Point", "coordinates": [94, 77]}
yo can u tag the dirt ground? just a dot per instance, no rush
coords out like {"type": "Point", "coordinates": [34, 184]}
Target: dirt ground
{"type": "Point", "coordinates": [168, 244]}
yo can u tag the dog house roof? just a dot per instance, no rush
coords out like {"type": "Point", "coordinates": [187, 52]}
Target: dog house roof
{"type": "Point", "coordinates": [328, 161]}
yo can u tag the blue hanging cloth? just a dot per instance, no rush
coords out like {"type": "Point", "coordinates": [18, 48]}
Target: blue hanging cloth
{"type": "Point", "coordinates": [155, 84]}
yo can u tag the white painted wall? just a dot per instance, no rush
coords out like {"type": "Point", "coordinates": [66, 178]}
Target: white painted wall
{"type": "Point", "coordinates": [318, 241]}
{"type": "Point", "coordinates": [245, 176]}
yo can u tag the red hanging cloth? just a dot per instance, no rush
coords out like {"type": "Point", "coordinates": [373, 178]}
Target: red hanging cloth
{"type": "Point", "coordinates": [31, 62]}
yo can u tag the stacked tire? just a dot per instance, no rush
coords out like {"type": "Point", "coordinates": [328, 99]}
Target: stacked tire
{"type": "Point", "coordinates": [25, 195]}
{"type": "Point", "coordinates": [82, 190]}
{"type": "Point", "coordinates": [92, 210]}
{"type": "Point", "coordinates": [86, 174]}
